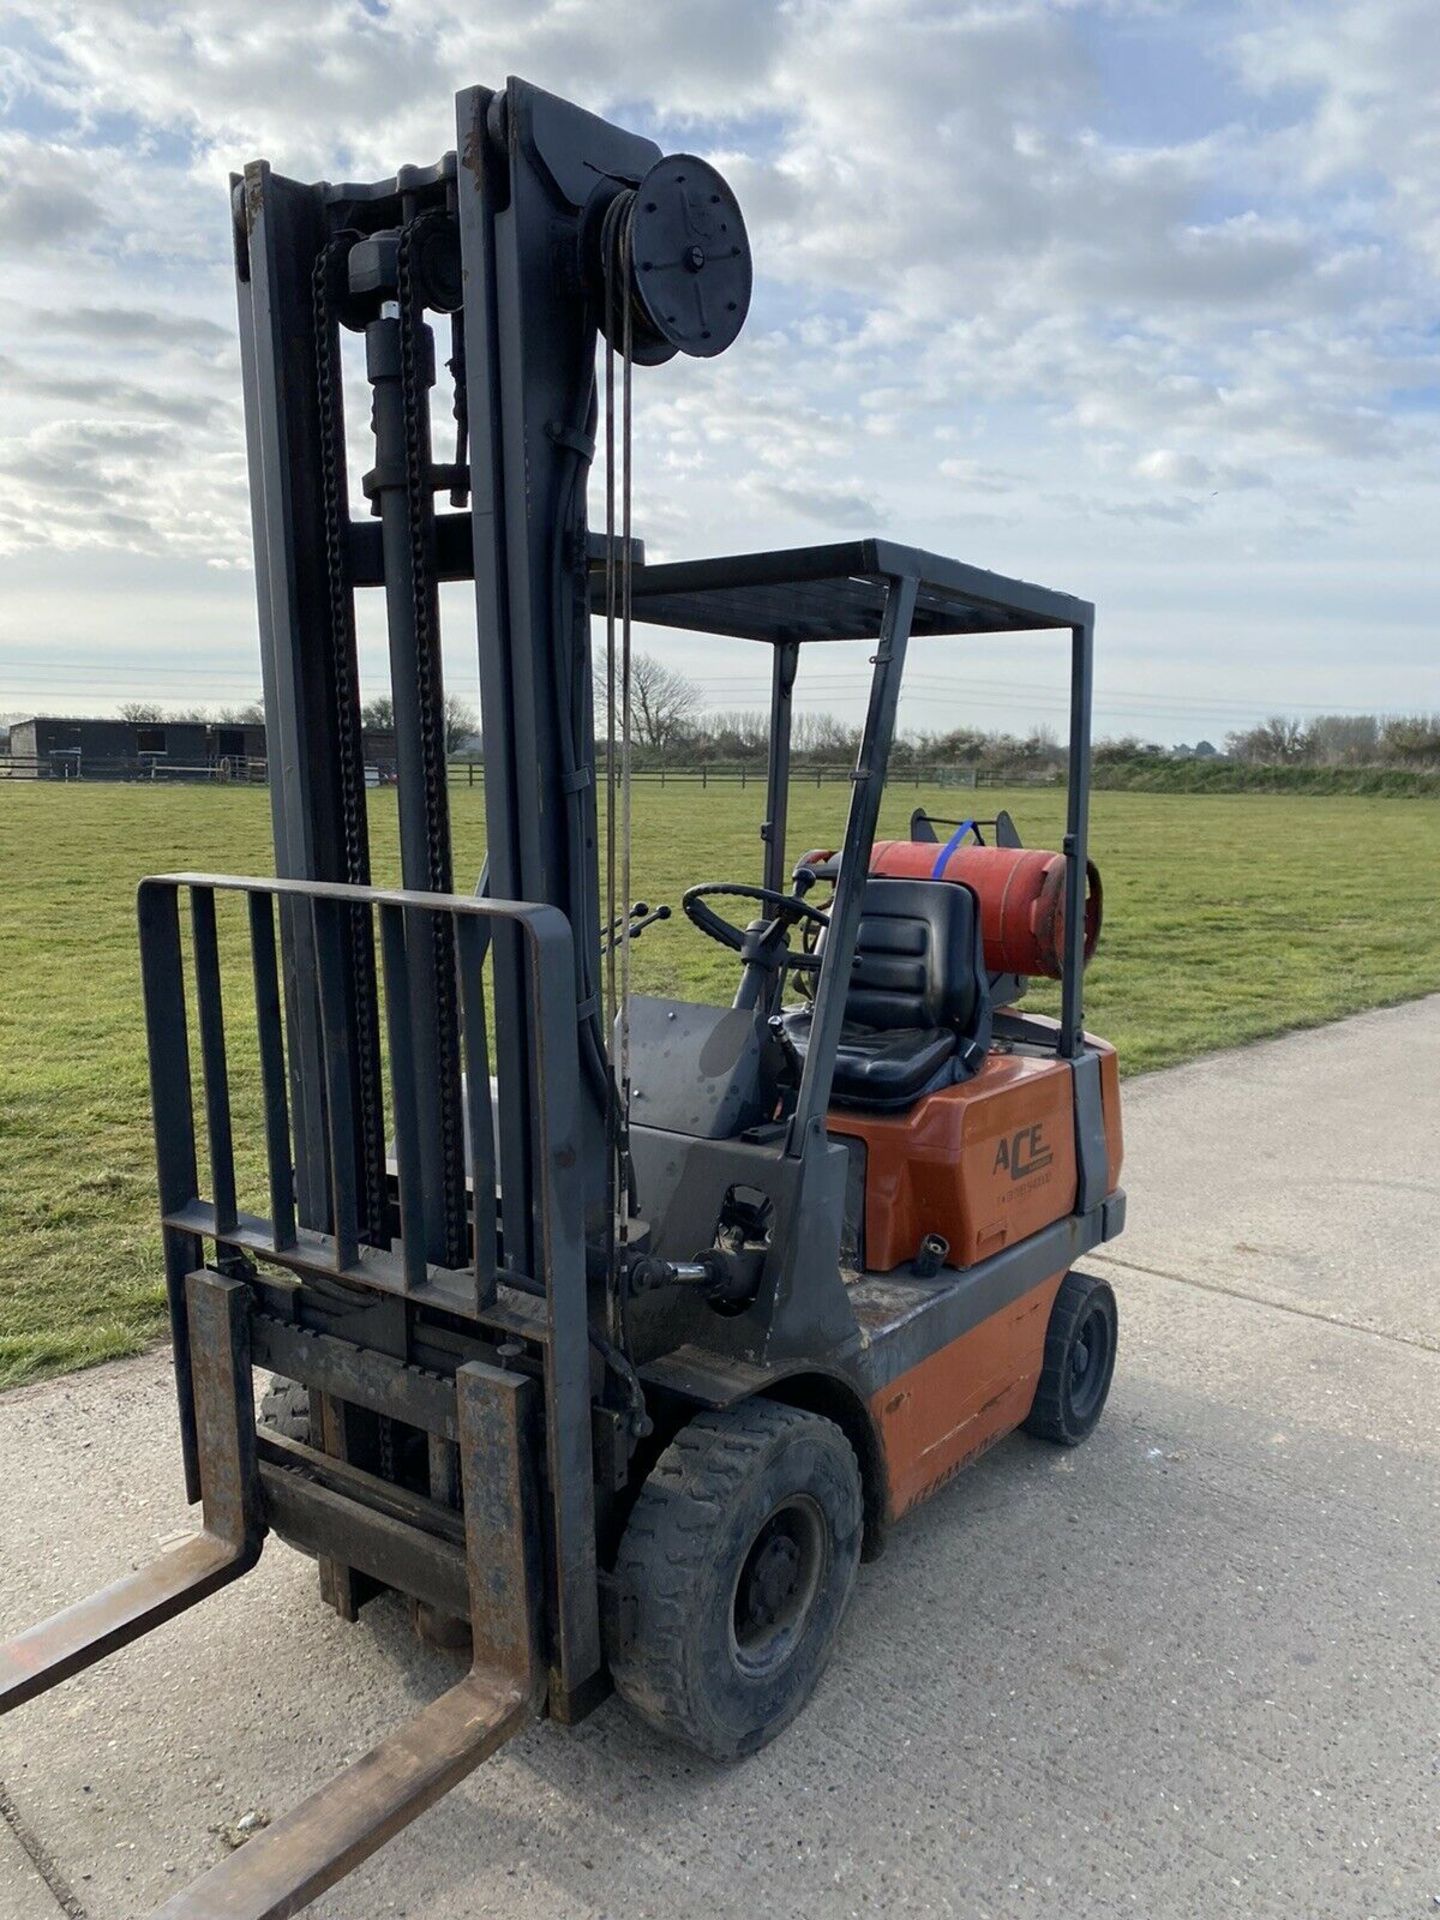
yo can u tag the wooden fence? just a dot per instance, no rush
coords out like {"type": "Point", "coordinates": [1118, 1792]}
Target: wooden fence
{"type": "Point", "coordinates": [743, 774]}
{"type": "Point", "coordinates": [156, 769]}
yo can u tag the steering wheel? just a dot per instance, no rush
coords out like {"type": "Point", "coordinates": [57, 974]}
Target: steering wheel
{"type": "Point", "coordinates": [786, 910]}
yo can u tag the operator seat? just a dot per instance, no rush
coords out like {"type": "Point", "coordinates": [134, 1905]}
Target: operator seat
{"type": "Point", "coordinates": [917, 1014]}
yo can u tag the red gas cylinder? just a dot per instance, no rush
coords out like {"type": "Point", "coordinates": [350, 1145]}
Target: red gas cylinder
{"type": "Point", "coordinates": [1021, 892]}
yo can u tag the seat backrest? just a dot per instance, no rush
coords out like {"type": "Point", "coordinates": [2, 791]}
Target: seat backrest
{"type": "Point", "coordinates": [919, 960]}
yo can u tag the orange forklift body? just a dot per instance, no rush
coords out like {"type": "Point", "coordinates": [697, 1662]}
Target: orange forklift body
{"type": "Point", "coordinates": [949, 1409]}
{"type": "Point", "coordinates": [983, 1165]}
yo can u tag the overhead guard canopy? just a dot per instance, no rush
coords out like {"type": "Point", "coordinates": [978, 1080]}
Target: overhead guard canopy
{"type": "Point", "coordinates": [838, 593]}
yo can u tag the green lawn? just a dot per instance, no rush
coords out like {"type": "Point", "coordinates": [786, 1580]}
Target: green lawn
{"type": "Point", "coordinates": [1227, 917]}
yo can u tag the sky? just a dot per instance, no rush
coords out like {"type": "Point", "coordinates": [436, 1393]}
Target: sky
{"type": "Point", "coordinates": [1139, 299]}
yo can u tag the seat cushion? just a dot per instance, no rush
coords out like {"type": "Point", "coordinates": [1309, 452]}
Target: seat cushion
{"type": "Point", "coordinates": [881, 1069]}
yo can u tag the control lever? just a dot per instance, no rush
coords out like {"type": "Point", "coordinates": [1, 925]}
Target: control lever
{"type": "Point", "coordinates": [639, 917]}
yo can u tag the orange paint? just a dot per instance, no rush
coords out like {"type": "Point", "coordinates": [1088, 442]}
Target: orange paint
{"type": "Point", "coordinates": [947, 1410]}
{"type": "Point", "coordinates": [1021, 891]}
{"type": "Point", "coordinates": [984, 1164]}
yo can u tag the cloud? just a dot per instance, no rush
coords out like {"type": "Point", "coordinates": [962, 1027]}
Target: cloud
{"type": "Point", "coordinates": [997, 268]}
{"type": "Point", "coordinates": [184, 408]}
{"type": "Point", "coordinates": [47, 198]}
{"type": "Point", "coordinates": [118, 484]}
{"type": "Point", "coordinates": [134, 327]}
{"type": "Point", "coordinates": [1169, 468]}
{"type": "Point", "coordinates": [830, 503]}
{"type": "Point", "coordinates": [1364, 139]}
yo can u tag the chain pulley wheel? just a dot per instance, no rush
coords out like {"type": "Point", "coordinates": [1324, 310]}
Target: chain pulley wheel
{"type": "Point", "coordinates": [683, 260]}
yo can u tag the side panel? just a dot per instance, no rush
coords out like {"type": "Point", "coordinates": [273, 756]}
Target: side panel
{"type": "Point", "coordinates": [1110, 1101]}
{"type": "Point", "coordinates": [946, 1410]}
{"type": "Point", "coordinates": [984, 1164]}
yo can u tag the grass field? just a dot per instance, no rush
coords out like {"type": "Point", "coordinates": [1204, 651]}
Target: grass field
{"type": "Point", "coordinates": [1227, 917]}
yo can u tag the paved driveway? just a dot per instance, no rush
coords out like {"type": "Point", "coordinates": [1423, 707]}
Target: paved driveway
{"type": "Point", "coordinates": [1188, 1670]}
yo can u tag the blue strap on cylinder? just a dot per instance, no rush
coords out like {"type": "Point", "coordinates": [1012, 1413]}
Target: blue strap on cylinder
{"type": "Point", "coordinates": [937, 872]}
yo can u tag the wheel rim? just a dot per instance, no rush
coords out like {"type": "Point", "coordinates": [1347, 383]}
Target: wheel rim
{"type": "Point", "coordinates": [1089, 1363]}
{"type": "Point", "coordinates": [777, 1584]}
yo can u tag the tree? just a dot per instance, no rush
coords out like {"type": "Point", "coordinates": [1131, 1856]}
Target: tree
{"type": "Point", "coordinates": [1113, 751]}
{"type": "Point", "coordinates": [741, 734]}
{"type": "Point", "coordinates": [824, 736]}
{"type": "Point", "coordinates": [663, 703]}
{"type": "Point", "coordinates": [1412, 738]}
{"type": "Point", "coordinates": [1275, 742]}
{"type": "Point", "coordinates": [1343, 739]}
{"type": "Point", "coordinates": [462, 723]}
{"type": "Point", "coordinates": [146, 712]}
{"type": "Point", "coordinates": [1041, 748]}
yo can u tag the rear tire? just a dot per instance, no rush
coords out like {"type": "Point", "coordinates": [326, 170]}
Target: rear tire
{"type": "Point", "coordinates": [733, 1573]}
{"type": "Point", "coordinates": [285, 1409]}
{"type": "Point", "coordinates": [1079, 1363]}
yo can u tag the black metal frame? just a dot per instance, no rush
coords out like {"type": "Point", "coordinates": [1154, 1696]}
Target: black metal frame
{"type": "Point", "coordinates": [400, 1274]}
{"type": "Point", "coordinates": [882, 591]}
{"type": "Point", "coordinates": [529, 171]}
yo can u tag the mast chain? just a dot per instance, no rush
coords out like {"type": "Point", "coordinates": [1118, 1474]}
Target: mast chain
{"type": "Point", "coordinates": [420, 510]}
{"type": "Point", "coordinates": [342, 636]}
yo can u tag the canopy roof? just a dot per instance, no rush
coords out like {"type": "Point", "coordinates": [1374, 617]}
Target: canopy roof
{"type": "Point", "coordinates": [837, 593]}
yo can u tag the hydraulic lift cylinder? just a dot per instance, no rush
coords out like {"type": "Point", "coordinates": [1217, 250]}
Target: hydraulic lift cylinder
{"type": "Point", "coordinates": [401, 423]}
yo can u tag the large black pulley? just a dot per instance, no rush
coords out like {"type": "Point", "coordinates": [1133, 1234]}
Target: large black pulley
{"type": "Point", "coordinates": [676, 250]}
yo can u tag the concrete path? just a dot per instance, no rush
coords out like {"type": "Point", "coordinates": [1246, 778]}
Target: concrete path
{"type": "Point", "coordinates": [1187, 1671]}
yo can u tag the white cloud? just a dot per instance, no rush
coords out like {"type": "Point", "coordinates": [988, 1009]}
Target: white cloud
{"type": "Point", "coordinates": [1172, 468]}
{"type": "Point", "coordinates": [47, 196]}
{"type": "Point", "coordinates": [75, 483]}
{"type": "Point", "coordinates": [989, 308]}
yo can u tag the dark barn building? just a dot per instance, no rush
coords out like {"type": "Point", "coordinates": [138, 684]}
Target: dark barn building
{"type": "Point", "coordinates": [65, 748]}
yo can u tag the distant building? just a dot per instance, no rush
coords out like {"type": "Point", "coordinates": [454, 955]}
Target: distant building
{"type": "Point", "coordinates": [64, 748]}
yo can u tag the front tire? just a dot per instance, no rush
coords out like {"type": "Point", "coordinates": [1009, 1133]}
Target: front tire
{"type": "Point", "coordinates": [1079, 1363]}
{"type": "Point", "coordinates": [733, 1573]}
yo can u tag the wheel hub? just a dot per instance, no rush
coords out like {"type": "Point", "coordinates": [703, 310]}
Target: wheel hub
{"type": "Point", "coordinates": [1090, 1354]}
{"type": "Point", "coordinates": [777, 1584]}
{"type": "Point", "coordinates": [773, 1579]}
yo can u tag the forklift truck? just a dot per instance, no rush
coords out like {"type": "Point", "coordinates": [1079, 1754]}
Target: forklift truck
{"type": "Point", "coordinates": [613, 1331]}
